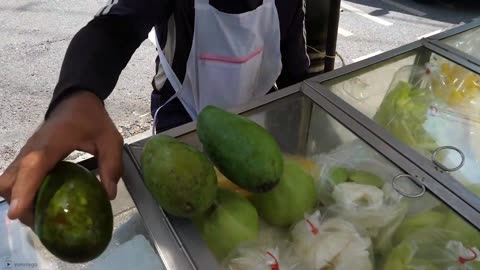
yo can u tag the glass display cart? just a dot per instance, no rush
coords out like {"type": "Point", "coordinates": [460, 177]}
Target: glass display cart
{"type": "Point", "coordinates": [423, 147]}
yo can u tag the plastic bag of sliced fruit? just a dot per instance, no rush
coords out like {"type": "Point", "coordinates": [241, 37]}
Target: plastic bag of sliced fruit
{"type": "Point", "coordinates": [406, 106]}
{"type": "Point", "coordinates": [435, 106]}
{"type": "Point", "coordinates": [433, 249]}
{"type": "Point", "coordinates": [355, 183]}
{"type": "Point", "coordinates": [353, 162]}
{"type": "Point", "coordinates": [324, 240]}
{"type": "Point", "coordinates": [462, 86]}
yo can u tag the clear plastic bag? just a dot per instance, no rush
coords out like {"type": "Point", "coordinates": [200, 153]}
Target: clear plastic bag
{"type": "Point", "coordinates": [432, 106]}
{"type": "Point", "coordinates": [462, 86]}
{"type": "Point", "coordinates": [354, 157]}
{"type": "Point", "coordinates": [330, 242]}
{"type": "Point", "coordinates": [367, 206]}
{"type": "Point", "coordinates": [262, 256]}
{"type": "Point", "coordinates": [433, 249]}
{"type": "Point", "coordinates": [405, 107]}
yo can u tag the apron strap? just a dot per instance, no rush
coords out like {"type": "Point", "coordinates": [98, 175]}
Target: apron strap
{"type": "Point", "coordinates": [176, 85]}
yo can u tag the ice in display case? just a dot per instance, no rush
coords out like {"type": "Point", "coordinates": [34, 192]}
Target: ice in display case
{"type": "Point", "coordinates": [131, 246]}
{"type": "Point", "coordinates": [380, 219]}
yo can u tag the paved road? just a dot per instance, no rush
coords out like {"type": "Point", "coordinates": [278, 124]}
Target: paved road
{"type": "Point", "coordinates": [369, 27]}
{"type": "Point", "coordinates": [34, 35]}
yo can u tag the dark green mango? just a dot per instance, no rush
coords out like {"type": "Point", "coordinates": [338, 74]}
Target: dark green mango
{"type": "Point", "coordinates": [180, 178]}
{"type": "Point", "coordinates": [241, 149]}
{"type": "Point", "coordinates": [73, 215]}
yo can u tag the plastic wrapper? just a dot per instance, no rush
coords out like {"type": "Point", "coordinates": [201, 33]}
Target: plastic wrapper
{"type": "Point", "coordinates": [330, 242]}
{"type": "Point", "coordinates": [463, 87]}
{"type": "Point", "coordinates": [277, 255]}
{"type": "Point", "coordinates": [436, 105]}
{"type": "Point", "coordinates": [405, 107]}
{"type": "Point", "coordinates": [367, 206]}
{"type": "Point", "coordinates": [356, 156]}
{"type": "Point", "coordinates": [433, 249]}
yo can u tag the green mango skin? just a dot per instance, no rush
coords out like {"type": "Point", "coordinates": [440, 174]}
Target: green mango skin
{"type": "Point", "coordinates": [73, 215]}
{"type": "Point", "coordinates": [366, 178]}
{"type": "Point", "coordinates": [241, 149]}
{"type": "Point", "coordinates": [399, 257]}
{"type": "Point", "coordinates": [468, 234]}
{"type": "Point", "coordinates": [180, 178]}
{"type": "Point", "coordinates": [420, 221]}
{"type": "Point", "coordinates": [339, 175]}
{"type": "Point", "coordinates": [231, 221]}
{"type": "Point", "coordinates": [288, 202]}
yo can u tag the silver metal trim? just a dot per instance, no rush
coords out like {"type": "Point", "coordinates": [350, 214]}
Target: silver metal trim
{"type": "Point", "coordinates": [420, 184]}
{"type": "Point", "coordinates": [440, 165]}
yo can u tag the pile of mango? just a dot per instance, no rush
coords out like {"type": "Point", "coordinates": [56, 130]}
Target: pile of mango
{"type": "Point", "coordinates": [240, 178]}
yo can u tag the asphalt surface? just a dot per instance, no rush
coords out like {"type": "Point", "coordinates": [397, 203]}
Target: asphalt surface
{"type": "Point", "coordinates": [401, 22]}
{"type": "Point", "coordinates": [34, 35]}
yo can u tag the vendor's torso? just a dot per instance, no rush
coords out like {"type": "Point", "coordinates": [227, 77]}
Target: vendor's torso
{"type": "Point", "coordinates": [184, 13]}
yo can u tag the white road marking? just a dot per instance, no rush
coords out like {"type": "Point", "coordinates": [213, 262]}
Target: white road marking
{"type": "Point", "coordinates": [365, 15]}
{"type": "Point", "coordinates": [366, 56]}
{"type": "Point", "coordinates": [430, 34]}
{"type": "Point", "coordinates": [344, 32]}
{"type": "Point", "coordinates": [406, 8]}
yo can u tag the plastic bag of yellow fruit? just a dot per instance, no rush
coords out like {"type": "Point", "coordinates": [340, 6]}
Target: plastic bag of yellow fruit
{"type": "Point", "coordinates": [463, 87]}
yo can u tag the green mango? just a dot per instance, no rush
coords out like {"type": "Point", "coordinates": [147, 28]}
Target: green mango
{"type": "Point", "coordinates": [232, 220]}
{"type": "Point", "coordinates": [399, 257]}
{"type": "Point", "coordinates": [383, 241]}
{"type": "Point", "coordinates": [467, 233]}
{"type": "Point", "coordinates": [241, 149]}
{"type": "Point", "coordinates": [338, 175]}
{"type": "Point", "coordinates": [366, 178]}
{"type": "Point", "coordinates": [73, 215]}
{"type": "Point", "coordinates": [428, 219]}
{"type": "Point", "coordinates": [180, 178]}
{"type": "Point", "coordinates": [288, 202]}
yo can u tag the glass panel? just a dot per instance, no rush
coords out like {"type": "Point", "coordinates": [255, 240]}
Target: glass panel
{"type": "Point", "coordinates": [467, 42]}
{"type": "Point", "coordinates": [355, 218]}
{"type": "Point", "coordinates": [130, 247]}
{"type": "Point", "coordinates": [426, 101]}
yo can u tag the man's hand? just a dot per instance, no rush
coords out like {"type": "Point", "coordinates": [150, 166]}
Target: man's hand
{"type": "Point", "coordinates": [80, 122]}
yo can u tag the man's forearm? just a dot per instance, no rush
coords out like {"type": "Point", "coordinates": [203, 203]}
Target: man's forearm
{"type": "Point", "coordinates": [97, 55]}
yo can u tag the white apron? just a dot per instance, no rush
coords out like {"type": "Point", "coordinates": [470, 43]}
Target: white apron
{"type": "Point", "coordinates": [234, 58]}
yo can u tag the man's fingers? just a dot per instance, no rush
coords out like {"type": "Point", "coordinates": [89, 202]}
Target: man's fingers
{"type": "Point", "coordinates": [110, 164]}
{"type": "Point", "coordinates": [32, 169]}
{"type": "Point", "coordinates": [6, 182]}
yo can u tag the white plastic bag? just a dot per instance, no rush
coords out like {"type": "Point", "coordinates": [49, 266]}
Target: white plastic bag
{"type": "Point", "coordinates": [329, 241]}
{"type": "Point", "coordinates": [365, 205]}
{"type": "Point", "coordinates": [353, 156]}
{"type": "Point", "coordinates": [261, 256]}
